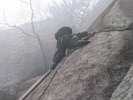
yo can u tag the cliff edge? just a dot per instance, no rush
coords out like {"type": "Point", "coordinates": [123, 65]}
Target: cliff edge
{"type": "Point", "coordinates": [94, 71]}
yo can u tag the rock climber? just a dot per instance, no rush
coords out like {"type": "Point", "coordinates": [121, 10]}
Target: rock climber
{"type": "Point", "coordinates": [65, 40]}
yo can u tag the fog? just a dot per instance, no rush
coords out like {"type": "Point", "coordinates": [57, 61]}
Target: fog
{"type": "Point", "coordinates": [17, 12]}
{"type": "Point", "coordinates": [27, 34]}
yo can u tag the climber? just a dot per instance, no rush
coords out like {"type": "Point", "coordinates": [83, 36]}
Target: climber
{"type": "Point", "coordinates": [65, 39]}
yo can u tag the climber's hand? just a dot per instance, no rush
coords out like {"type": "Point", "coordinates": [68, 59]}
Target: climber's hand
{"type": "Point", "coordinates": [91, 33]}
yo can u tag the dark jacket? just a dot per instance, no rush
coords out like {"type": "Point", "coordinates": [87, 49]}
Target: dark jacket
{"type": "Point", "coordinates": [64, 42]}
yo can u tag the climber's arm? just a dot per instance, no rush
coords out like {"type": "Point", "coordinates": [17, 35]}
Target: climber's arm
{"type": "Point", "coordinates": [84, 34]}
{"type": "Point", "coordinates": [60, 53]}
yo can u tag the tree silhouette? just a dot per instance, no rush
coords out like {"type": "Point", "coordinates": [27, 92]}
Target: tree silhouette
{"type": "Point", "coordinates": [72, 12]}
{"type": "Point", "coordinates": [35, 35]}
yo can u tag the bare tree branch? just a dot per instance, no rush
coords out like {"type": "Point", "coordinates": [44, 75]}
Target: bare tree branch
{"type": "Point", "coordinates": [35, 35]}
{"type": "Point", "coordinates": [24, 2]}
{"type": "Point", "coordinates": [32, 16]}
{"type": "Point", "coordinates": [14, 26]}
{"type": "Point", "coordinates": [38, 37]}
{"type": "Point", "coordinates": [24, 32]}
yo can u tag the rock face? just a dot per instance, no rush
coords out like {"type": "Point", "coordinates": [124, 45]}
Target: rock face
{"type": "Point", "coordinates": [94, 72]}
{"type": "Point", "coordinates": [125, 89]}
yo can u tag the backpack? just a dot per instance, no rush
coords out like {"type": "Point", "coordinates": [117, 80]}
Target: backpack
{"type": "Point", "coordinates": [63, 31]}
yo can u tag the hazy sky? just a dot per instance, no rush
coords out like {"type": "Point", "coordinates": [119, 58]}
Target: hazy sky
{"type": "Point", "coordinates": [16, 11]}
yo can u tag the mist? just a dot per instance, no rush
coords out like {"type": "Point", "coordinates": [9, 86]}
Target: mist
{"type": "Point", "coordinates": [27, 42]}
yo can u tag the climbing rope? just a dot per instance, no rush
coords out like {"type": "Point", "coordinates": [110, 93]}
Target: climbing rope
{"type": "Point", "coordinates": [35, 85]}
{"type": "Point", "coordinates": [51, 79]}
